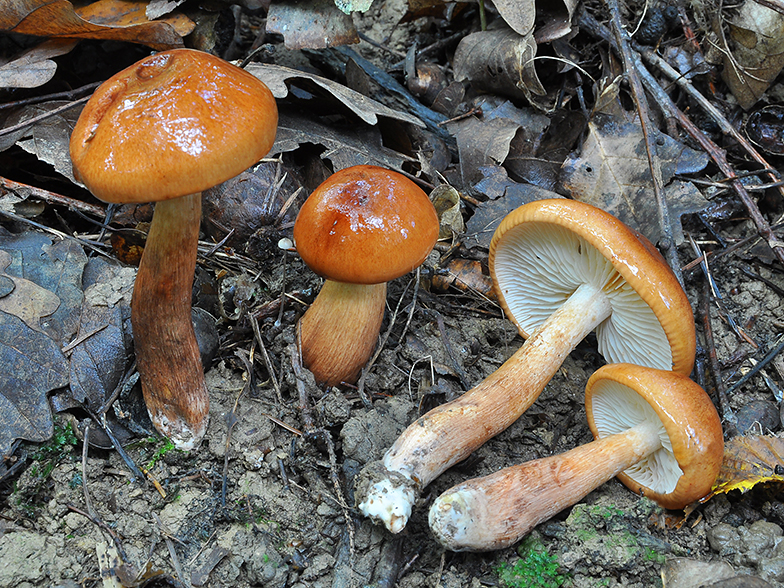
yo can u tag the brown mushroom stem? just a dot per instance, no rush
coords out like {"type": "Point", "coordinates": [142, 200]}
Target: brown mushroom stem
{"type": "Point", "coordinates": [339, 331]}
{"type": "Point", "coordinates": [450, 432]}
{"type": "Point", "coordinates": [167, 353]}
{"type": "Point", "coordinates": [495, 511]}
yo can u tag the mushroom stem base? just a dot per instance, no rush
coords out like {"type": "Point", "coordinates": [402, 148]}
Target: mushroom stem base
{"type": "Point", "coordinates": [167, 353]}
{"type": "Point", "coordinates": [496, 511]}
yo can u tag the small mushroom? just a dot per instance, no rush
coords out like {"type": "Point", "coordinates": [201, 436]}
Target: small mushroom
{"type": "Point", "coordinates": [360, 228]}
{"type": "Point", "coordinates": [561, 269]}
{"type": "Point", "coordinates": [656, 430]}
{"type": "Point", "coordinates": [163, 130]}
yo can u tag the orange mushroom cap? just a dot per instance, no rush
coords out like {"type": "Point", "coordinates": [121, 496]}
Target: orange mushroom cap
{"type": "Point", "coordinates": [175, 123]}
{"type": "Point", "coordinates": [365, 225]}
{"type": "Point", "coordinates": [542, 251]}
{"type": "Point", "coordinates": [619, 396]}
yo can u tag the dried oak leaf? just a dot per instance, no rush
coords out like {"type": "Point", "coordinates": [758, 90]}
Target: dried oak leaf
{"type": "Point", "coordinates": [499, 61]}
{"type": "Point", "coordinates": [311, 24]}
{"type": "Point", "coordinates": [613, 174]}
{"type": "Point", "coordinates": [755, 54]}
{"type": "Point", "coordinates": [31, 364]}
{"type": "Point", "coordinates": [27, 300]}
{"type": "Point", "coordinates": [346, 146]}
{"type": "Point", "coordinates": [748, 461]}
{"type": "Point", "coordinates": [54, 266]}
{"type": "Point", "coordinates": [34, 67]}
{"type": "Point", "coordinates": [276, 76]}
{"type": "Point", "coordinates": [118, 20]}
{"type": "Point", "coordinates": [488, 140]}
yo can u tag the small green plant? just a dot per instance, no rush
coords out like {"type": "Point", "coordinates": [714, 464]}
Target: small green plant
{"type": "Point", "coordinates": [45, 458]}
{"type": "Point", "coordinates": [536, 568]}
{"type": "Point", "coordinates": [159, 453]}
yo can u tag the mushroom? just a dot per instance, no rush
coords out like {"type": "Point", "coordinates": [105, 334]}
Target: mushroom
{"type": "Point", "coordinates": [561, 269]}
{"type": "Point", "coordinates": [656, 430]}
{"type": "Point", "coordinates": [363, 226]}
{"type": "Point", "coordinates": [163, 130]}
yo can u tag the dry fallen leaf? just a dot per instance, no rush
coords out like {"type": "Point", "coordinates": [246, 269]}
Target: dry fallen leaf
{"type": "Point", "coordinates": [749, 461]}
{"type": "Point", "coordinates": [119, 20]}
{"type": "Point", "coordinates": [500, 61]}
{"type": "Point", "coordinates": [489, 139]}
{"type": "Point", "coordinates": [35, 66]}
{"type": "Point", "coordinates": [518, 15]}
{"type": "Point", "coordinates": [756, 52]}
{"type": "Point", "coordinates": [446, 201]}
{"type": "Point", "coordinates": [311, 24]}
{"type": "Point", "coordinates": [47, 139]}
{"type": "Point", "coordinates": [554, 19]}
{"type": "Point", "coordinates": [612, 173]}
{"type": "Point", "coordinates": [344, 147]}
{"type": "Point", "coordinates": [27, 301]}
{"type": "Point", "coordinates": [276, 76]}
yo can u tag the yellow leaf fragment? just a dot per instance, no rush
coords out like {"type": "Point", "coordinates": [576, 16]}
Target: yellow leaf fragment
{"type": "Point", "coordinates": [749, 461]}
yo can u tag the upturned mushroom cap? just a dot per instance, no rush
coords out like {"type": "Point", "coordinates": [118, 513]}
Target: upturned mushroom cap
{"type": "Point", "coordinates": [365, 225]}
{"type": "Point", "coordinates": [621, 396]}
{"type": "Point", "coordinates": [543, 251]}
{"type": "Point", "coordinates": [175, 123]}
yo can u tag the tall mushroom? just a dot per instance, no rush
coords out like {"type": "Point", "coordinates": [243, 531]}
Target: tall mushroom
{"type": "Point", "coordinates": [363, 226]}
{"type": "Point", "coordinates": [657, 431]}
{"type": "Point", "coordinates": [561, 269]}
{"type": "Point", "coordinates": [163, 130]}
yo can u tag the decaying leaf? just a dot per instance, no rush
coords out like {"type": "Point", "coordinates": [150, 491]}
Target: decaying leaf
{"type": "Point", "coordinates": [749, 461]}
{"type": "Point", "coordinates": [47, 139]}
{"type": "Point", "coordinates": [755, 55]}
{"type": "Point", "coordinates": [26, 300]}
{"type": "Point", "coordinates": [554, 19]}
{"type": "Point", "coordinates": [446, 201]}
{"type": "Point", "coordinates": [344, 147]}
{"type": "Point", "coordinates": [276, 76]}
{"type": "Point", "coordinates": [32, 365]}
{"type": "Point", "coordinates": [54, 266]}
{"type": "Point", "coordinates": [505, 195]}
{"type": "Point", "coordinates": [500, 61]}
{"type": "Point", "coordinates": [612, 173]}
{"type": "Point", "coordinates": [118, 20]}
{"type": "Point", "coordinates": [519, 15]}
{"type": "Point", "coordinates": [488, 140]}
{"type": "Point", "coordinates": [464, 275]}
{"type": "Point", "coordinates": [34, 67]}
{"type": "Point", "coordinates": [349, 6]}
{"type": "Point", "coordinates": [311, 24]}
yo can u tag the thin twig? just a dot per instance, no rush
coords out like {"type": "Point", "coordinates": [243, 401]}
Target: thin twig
{"type": "Point", "coordinates": [769, 356]}
{"type": "Point", "coordinates": [667, 243]}
{"type": "Point", "coordinates": [36, 119]}
{"type": "Point", "coordinates": [726, 411]}
{"type": "Point", "coordinates": [85, 447]}
{"type": "Point", "coordinates": [265, 356]}
{"type": "Point", "coordinates": [52, 197]}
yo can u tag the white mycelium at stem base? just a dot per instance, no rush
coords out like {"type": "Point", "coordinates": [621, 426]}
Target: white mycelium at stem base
{"type": "Point", "coordinates": [658, 431]}
{"type": "Point", "coordinates": [562, 269]}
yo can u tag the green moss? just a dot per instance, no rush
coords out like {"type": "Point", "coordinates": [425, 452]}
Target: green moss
{"type": "Point", "coordinates": [536, 568]}
{"type": "Point", "coordinates": [159, 453]}
{"type": "Point", "coordinates": [60, 447]}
